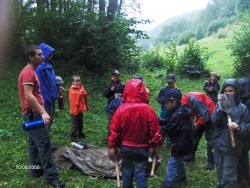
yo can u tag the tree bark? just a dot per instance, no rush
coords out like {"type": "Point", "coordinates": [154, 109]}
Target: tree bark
{"type": "Point", "coordinates": [111, 10]}
{"type": "Point", "coordinates": [40, 7]}
{"type": "Point", "coordinates": [53, 4]}
{"type": "Point", "coordinates": [60, 5]}
{"type": "Point", "coordinates": [90, 5]}
{"type": "Point", "coordinates": [101, 5]}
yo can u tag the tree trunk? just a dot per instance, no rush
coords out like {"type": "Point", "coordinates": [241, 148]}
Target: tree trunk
{"type": "Point", "coordinates": [101, 5]}
{"type": "Point", "coordinates": [111, 10]}
{"type": "Point", "coordinates": [40, 7]}
{"type": "Point", "coordinates": [60, 7]}
{"type": "Point", "coordinates": [53, 5]}
{"type": "Point", "coordinates": [101, 12]}
{"type": "Point", "coordinates": [90, 5]}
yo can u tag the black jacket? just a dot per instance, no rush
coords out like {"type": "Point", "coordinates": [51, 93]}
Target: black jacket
{"type": "Point", "coordinates": [214, 93]}
{"type": "Point", "coordinates": [178, 128]}
{"type": "Point", "coordinates": [119, 88]}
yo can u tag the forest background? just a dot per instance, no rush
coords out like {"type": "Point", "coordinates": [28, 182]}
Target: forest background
{"type": "Point", "coordinates": [91, 39]}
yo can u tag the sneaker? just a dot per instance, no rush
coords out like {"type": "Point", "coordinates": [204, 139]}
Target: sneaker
{"type": "Point", "coordinates": [209, 166]}
{"type": "Point", "coordinates": [57, 183]}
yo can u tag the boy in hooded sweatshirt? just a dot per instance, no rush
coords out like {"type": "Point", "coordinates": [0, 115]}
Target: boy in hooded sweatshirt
{"type": "Point", "coordinates": [178, 128]}
{"type": "Point", "coordinates": [226, 156]}
{"type": "Point", "coordinates": [134, 129]}
{"type": "Point", "coordinates": [78, 102]}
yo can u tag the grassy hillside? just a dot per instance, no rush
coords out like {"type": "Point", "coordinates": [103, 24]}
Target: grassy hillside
{"type": "Point", "coordinates": [14, 147]}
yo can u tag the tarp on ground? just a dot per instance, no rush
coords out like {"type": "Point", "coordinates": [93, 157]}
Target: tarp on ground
{"type": "Point", "coordinates": [93, 161]}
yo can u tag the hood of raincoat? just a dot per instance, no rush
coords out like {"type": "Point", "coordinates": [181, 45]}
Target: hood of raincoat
{"type": "Point", "coordinates": [234, 83]}
{"type": "Point", "coordinates": [244, 85]}
{"type": "Point", "coordinates": [46, 49]}
{"type": "Point", "coordinates": [135, 92]}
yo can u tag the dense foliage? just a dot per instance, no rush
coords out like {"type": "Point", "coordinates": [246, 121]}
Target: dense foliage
{"type": "Point", "coordinates": [240, 47]}
{"type": "Point", "coordinates": [193, 60]}
{"type": "Point", "coordinates": [83, 35]}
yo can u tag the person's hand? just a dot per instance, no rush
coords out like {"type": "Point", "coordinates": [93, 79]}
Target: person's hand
{"type": "Point", "coordinates": [112, 88]}
{"type": "Point", "coordinates": [61, 89]}
{"type": "Point", "coordinates": [196, 126]}
{"type": "Point", "coordinates": [112, 152]}
{"type": "Point", "coordinates": [46, 118]}
{"type": "Point", "coordinates": [234, 126]}
{"type": "Point", "coordinates": [151, 152]}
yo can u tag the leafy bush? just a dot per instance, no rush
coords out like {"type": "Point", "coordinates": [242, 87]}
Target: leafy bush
{"type": "Point", "coordinates": [240, 47]}
{"type": "Point", "coordinates": [192, 61]}
{"type": "Point", "coordinates": [152, 59]}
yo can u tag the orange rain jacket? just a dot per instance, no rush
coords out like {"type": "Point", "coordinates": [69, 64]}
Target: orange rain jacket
{"type": "Point", "coordinates": [78, 99]}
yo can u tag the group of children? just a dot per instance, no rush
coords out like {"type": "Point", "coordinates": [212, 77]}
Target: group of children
{"type": "Point", "coordinates": [184, 119]}
{"type": "Point", "coordinates": [135, 128]}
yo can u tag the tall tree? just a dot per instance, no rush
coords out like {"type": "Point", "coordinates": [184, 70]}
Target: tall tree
{"type": "Point", "coordinates": [112, 7]}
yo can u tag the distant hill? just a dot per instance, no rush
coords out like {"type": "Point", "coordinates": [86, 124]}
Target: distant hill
{"type": "Point", "coordinates": [189, 16]}
{"type": "Point", "coordinates": [153, 33]}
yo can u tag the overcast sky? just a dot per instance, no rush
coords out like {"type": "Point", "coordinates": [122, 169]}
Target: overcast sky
{"type": "Point", "coordinates": [161, 10]}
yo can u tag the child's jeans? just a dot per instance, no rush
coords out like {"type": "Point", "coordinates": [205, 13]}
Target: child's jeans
{"type": "Point", "coordinates": [175, 168]}
{"type": "Point", "coordinates": [134, 163]}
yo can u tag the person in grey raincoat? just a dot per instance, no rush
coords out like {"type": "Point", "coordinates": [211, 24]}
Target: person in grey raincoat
{"type": "Point", "coordinates": [226, 156]}
{"type": "Point", "coordinates": [243, 168]}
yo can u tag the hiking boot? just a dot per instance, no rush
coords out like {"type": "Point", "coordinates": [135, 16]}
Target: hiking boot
{"type": "Point", "coordinates": [57, 183]}
{"type": "Point", "coordinates": [209, 166]}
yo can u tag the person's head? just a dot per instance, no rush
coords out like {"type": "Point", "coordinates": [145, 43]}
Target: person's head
{"type": "Point", "coordinates": [135, 92]}
{"type": "Point", "coordinates": [171, 99]}
{"type": "Point", "coordinates": [138, 76]}
{"type": "Point", "coordinates": [33, 55]}
{"type": "Point", "coordinates": [48, 52]}
{"type": "Point", "coordinates": [244, 87]}
{"type": "Point", "coordinates": [171, 80]}
{"type": "Point", "coordinates": [231, 86]}
{"type": "Point", "coordinates": [213, 76]}
{"type": "Point", "coordinates": [75, 80]}
{"type": "Point", "coordinates": [116, 75]}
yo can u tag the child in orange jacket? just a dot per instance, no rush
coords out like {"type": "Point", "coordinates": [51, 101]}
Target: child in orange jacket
{"type": "Point", "coordinates": [78, 101]}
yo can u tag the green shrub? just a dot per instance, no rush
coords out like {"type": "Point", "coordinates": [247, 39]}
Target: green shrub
{"type": "Point", "coordinates": [192, 61]}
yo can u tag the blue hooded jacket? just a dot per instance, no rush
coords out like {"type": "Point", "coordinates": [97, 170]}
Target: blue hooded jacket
{"type": "Point", "coordinates": [47, 78]}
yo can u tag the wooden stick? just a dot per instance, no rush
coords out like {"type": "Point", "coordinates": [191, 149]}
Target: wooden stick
{"type": "Point", "coordinates": [231, 131]}
{"type": "Point", "coordinates": [153, 166]}
{"type": "Point", "coordinates": [117, 172]}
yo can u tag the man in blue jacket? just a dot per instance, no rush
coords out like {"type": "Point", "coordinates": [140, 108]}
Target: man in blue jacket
{"type": "Point", "coordinates": [47, 79]}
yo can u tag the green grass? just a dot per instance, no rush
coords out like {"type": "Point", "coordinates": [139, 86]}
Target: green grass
{"type": "Point", "coordinates": [14, 146]}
